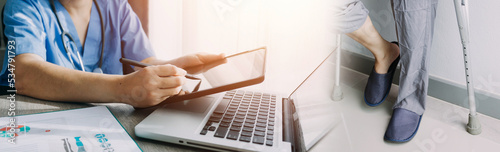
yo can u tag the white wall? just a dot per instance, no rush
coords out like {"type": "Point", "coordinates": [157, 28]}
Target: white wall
{"type": "Point", "coordinates": [446, 58]}
{"type": "Point", "coordinates": [165, 27]}
{"type": "Point", "coordinates": [294, 32]}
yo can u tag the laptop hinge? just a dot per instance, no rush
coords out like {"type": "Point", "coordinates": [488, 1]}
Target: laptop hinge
{"type": "Point", "coordinates": [292, 132]}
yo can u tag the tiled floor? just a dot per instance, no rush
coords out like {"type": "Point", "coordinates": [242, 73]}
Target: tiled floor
{"type": "Point", "coordinates": [358, 127]}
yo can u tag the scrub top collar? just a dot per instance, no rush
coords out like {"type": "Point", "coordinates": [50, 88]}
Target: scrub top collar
{"type": "Point", "coordinates": [92, 41]}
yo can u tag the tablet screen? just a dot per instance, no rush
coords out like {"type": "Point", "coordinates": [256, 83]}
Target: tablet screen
{"type": "Point", "coordinates": [237, 68]}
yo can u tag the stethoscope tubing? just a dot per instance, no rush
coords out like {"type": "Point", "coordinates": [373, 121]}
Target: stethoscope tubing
{"type": "Point", "coordinates": [66, 33]}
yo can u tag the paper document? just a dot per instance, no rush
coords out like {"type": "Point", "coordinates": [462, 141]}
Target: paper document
{"type": "Point", "coordinates": [93, 129]}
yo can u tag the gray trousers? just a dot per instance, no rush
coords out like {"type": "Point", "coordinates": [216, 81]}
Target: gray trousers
{"type": "Point", "coordinates": [415, 27]}
{"type": "Point", "coordinates": [349, 15]}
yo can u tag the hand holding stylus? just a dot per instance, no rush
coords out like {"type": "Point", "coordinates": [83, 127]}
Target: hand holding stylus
{"type": "Point", "coordinates": [151, 85]}
{"type": "Point", "coordinates": [164, 81]}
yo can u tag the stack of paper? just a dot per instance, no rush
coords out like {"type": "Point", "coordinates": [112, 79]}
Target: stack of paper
{"type": "Point", "coordinates": [79, 130]}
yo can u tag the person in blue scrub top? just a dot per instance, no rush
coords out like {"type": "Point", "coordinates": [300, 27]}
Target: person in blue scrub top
{"type": "Point", "coordinates": [44, 69]}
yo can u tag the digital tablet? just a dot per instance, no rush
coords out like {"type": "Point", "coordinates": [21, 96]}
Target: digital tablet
{"type": "Point", "coordinates": [232, 72]}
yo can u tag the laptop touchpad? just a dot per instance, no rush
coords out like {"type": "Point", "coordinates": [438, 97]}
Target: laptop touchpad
{"type": "Point", "coordinates": [198, 105]}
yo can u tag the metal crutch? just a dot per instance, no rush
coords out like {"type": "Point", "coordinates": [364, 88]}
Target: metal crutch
{"type": "Point", "coordinates": [462, 11]}
{"type": "Point", "coordinates": [337, 94]}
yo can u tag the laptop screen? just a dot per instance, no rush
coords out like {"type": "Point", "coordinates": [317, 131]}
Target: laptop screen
{"type": "Point", "coordinates": [313, 103]}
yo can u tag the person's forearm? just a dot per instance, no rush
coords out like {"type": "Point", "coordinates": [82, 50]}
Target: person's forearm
{"type": "Point", "coordinates": [187, 61]}
{"type": "Point", "coordinates": [40, 79]}
{"type": "Point", "coordinates": [155, 61]}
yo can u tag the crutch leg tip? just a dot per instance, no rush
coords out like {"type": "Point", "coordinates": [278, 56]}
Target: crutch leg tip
{"type": "Point", "coordinates": [337, 94]}
{"type": "Point", "coordinates": [474, 126]}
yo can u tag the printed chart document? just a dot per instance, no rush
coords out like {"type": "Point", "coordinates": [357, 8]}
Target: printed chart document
{"type": "Point", "coordinates": [79, 130]}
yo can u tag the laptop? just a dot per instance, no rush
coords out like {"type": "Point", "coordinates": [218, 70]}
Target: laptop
{"type": "Point", "coordinates": [238, 120]}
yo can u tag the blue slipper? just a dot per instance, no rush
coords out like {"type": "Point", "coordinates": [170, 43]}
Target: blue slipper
{"type": "Point", "coordinates": [379, 85]}
{"type": "Point", "coordinates": [403, 125]}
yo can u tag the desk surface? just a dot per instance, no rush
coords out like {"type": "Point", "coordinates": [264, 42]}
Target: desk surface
{"type": "Point", "coordinates": [130, 117]}
{"type": "Point", "coordinates": [127, 115]}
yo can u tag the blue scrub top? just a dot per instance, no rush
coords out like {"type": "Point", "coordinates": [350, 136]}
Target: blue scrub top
{"type": "Point", "coordinates": [34, 28]}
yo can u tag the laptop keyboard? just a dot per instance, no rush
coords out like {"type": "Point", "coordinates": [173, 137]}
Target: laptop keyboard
{"type": "Point", "coordinates": [244, 116]}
